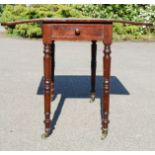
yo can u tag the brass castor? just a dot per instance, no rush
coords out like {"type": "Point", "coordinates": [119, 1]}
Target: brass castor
{"type": "Point", "coordinates": [92, 98]}
{"type": "Point", "coordinates": [46, 134]}
{"type": "Point", "coordinates": [104, 133]}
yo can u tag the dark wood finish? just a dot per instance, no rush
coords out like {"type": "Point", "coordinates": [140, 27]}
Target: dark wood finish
{"type": "Point", "coordinates": [52, 68]}
{"type": "Point", "coordinates": [46, 34]}
{"type": "Point", "coordinates": [93, 70]}
{"type": "Point", "coordinates": [106, 74]}
{"type": "Point", "coordinates": [76, 29]}
{"type": "Point", "coordinates": [73, 21]}
{"type": "Point", "coordinates": [47, 87]}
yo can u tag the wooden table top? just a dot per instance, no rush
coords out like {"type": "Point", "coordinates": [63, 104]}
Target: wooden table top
{"type": "Point", "coordinates": [73, 21]}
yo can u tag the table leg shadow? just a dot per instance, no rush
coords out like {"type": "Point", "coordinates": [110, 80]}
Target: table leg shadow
{"type": "Point", "coordinates": [70, 86]}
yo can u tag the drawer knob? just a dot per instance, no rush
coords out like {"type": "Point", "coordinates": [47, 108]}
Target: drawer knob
{"type": "Point", "coordinates": [77, 31]}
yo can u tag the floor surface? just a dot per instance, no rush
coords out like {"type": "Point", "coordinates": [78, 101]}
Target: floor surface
{"type": "Point", "coordinates": [76, 121]}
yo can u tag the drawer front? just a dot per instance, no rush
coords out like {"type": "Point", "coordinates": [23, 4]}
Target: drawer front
{"type": "Point", "coordinates": [75, 31]}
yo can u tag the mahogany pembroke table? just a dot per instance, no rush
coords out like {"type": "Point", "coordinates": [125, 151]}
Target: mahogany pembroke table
{"type": "Point", "coordinates": [76, 29]}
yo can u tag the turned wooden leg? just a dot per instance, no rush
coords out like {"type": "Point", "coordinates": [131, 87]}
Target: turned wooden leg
{"type": "Point", "coordinates": [52, 70]}
{"type": "Point", "coordinates": [47, 87]}
{"type": "Point", "coordinates": [93, 70]}
{"type": "Point", "coordinates": [106, 88]}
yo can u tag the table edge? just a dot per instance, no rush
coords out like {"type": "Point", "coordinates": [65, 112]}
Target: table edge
{"type": "Point", "coordinates": [73, 21]}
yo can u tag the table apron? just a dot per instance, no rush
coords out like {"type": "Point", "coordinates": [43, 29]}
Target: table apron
{"type": "Point", "coordinates": [72, 32]}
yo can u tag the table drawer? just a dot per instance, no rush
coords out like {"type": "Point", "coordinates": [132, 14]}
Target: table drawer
{"type": "Point", "coordinates": [75, 31]}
